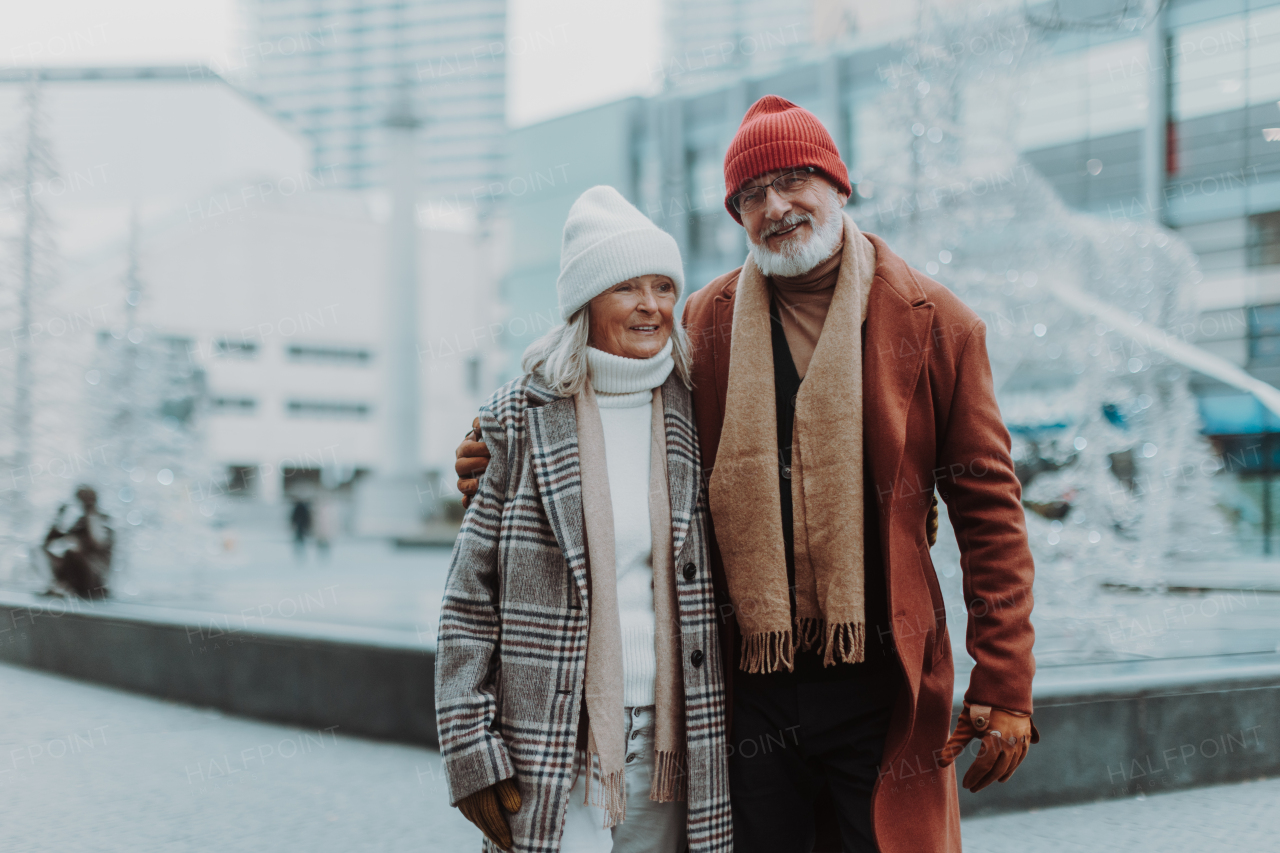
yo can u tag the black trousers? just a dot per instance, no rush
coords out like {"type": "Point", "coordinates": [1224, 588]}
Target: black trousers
{"type": "Point", "coordinates": [792, 739]}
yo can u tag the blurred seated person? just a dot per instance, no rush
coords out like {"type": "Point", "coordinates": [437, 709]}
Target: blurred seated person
{"type": "Point", "coordinates": [79, 548]}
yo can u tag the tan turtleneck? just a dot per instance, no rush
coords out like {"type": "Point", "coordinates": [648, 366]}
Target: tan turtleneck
{"type": "Point", "coordinates": [802, 305]}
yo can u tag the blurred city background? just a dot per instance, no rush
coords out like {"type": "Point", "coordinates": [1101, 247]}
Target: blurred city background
{"type": "Point", "coordinates": [263, 260]}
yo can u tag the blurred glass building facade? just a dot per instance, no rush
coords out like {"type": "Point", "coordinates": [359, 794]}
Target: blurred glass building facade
{"type": "Point", "coordinates": [717, 39]}
{"type": "Point", "coordinates": [1091, 106]}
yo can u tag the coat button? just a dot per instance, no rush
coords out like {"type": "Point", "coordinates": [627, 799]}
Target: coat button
{"type": "Point", "coordinates": [980, 722]}
{"type": "Point", "coordinates": [697, 657]}
{"type": "Point", "coordinates": [690, 570]}
{"type": "Point", "coordinates": [786, 472]}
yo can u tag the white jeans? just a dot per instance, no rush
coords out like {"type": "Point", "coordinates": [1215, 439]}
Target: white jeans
{"type": "Point", "coordinates": [650, 827]}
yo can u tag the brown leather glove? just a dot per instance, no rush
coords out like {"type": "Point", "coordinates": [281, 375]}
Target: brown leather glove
{"type": "Point", "coordinates": [485, 809]}
{"type": "Point", "coordinates": [1006, 737]}
{"type": "Point", "coordinates": [472, 461]}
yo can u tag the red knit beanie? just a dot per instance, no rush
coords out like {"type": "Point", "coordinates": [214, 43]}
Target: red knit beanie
{"type": "Point", "coordinates": [777, 134]}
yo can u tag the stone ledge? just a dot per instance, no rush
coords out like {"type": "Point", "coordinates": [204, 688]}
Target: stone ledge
{"type": "Point", "coordinates": [1119, 729]}
{"type": "Point", "coordinates": [366, 681]}
{"type": "Point", "coordinates": [1108, 730]}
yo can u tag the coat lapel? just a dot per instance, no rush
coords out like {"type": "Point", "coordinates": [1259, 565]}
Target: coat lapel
{"type": "Point", "coordinates": [896, 343]}
{"type": "Point", "coordinates": [553, 441]}
{"type": "Point", "coordinates": [720, 344]}
{"type": "Point", "coordinates": [682, 458]}
{"type": "Point", "coordinates": [899, 318]}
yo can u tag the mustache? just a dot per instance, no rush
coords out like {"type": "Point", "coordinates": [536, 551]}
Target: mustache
{"type": "Point", "coordinates": [786, 222]}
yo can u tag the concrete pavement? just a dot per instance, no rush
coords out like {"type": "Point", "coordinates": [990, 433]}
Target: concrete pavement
{"type": "Point", "coordinates": [1242, 818]}
{"type": "Point", "coordinates": [88, 769]}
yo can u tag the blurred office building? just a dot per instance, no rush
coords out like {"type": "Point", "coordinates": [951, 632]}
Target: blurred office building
{"type": "Point", "coordinates": [706, 41]}
{"type": "Point", "coordinates": [333, 71]}
{"type": "Point", "coordinates": [710, 41]}
{"type": "Point", "coordinates": [184, 211]}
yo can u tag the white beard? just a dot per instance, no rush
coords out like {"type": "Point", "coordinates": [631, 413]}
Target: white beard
{"type": "Point", "coordinates": [797, 258]}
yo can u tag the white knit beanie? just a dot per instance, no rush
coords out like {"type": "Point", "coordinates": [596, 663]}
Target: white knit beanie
{"type": "Point", "coordinates": [607, 241]}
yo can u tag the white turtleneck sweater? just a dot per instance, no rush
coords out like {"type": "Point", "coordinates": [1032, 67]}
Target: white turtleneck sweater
{"type": "Point", "coordinates": [624, 390]}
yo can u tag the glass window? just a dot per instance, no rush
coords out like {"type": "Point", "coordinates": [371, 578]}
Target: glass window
{"type": "Point", "coordinates": [235, 348]}
{"type": "Point", "coordinates": [705, 200]}
{"type": "Point", "coordinates": [327, 409]}
{"type": "Point", "coordinates": [1264, 335]}
{"type": "Point", "coordinates": [1056, 106]}
{"type": "Point", "coordinates": [328, 354]}
{"type": "Point", "coordinates": [233, 405]}
{"type": "Point", "coordinates": [876, 140]}
{"type": "Point", "coordinates": [1264, 239]}
{"type": "Point", "coordinates": [1118, 74]}
{"type": "Point", "coordinates": [1209, 67]}
{"type": "Point", "coordinates": [1264, 56]}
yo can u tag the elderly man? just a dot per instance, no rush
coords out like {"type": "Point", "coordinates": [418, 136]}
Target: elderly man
{"type": "Point", "coordinates": [834, 389]}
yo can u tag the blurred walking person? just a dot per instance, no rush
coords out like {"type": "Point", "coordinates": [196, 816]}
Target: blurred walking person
{"type": "Point", "coordinates": [300, 521]}
{"type": "Point", "coordinates": [326, 526]}
{"type": "Point", "coordinates": [579, 690]}
{"type": "Point", "coordinates": [79, 549]}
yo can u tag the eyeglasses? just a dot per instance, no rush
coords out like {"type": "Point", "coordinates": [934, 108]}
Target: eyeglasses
{"type": "Point", "coordinates": [787, 186]}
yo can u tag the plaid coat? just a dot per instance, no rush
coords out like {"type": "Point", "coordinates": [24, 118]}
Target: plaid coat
{"type": "Point", "coordinates": [512, 650]}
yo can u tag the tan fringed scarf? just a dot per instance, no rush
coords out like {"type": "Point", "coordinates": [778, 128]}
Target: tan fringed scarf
{"type": "Point", "coordinates": [826, 478]}
{"type": "Point", "coordinates": [606, 744]}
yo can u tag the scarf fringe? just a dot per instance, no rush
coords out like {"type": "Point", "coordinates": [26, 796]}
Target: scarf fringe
{"type": "Point", "coordinates": [768, 651]}
{"type": "Point", "coordinates": [846, 642]}
{"type": "Point", "coordinates": [610, 795]}
{"type": "Point", "coordinates": [670, 777]}
{"type": "Point", "coordinates": [809, 631]}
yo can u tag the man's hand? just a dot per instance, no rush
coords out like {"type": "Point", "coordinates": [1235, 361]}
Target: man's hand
{"type": "Point", "coordinates": [485, 809]}
{"type": "Point", "coordinates": [472, 461]}
{"type": "Point", "coordinates": [1006, 737]}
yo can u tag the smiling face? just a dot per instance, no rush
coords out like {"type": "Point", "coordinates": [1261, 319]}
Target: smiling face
{"type": "Point", "coordinates": [790, 236]}
{"type": "Point", "coordinates": [633, 319]}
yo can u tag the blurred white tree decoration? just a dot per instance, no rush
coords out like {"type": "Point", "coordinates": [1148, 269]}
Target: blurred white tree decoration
{"type": "Point", "coordinates": [1118, 478]}
{"type": "Point", "coordinates": [116, 408]}
{"type": "Point", "coordinates": [145, 395]}
{"type": "Point", "coordinates": [29, 374]}
{"type": "Point", "coordinates": [1092, 15]}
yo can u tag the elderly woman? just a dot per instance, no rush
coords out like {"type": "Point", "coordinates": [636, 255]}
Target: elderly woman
{"type": "Point", "coordinates": [579, 695]}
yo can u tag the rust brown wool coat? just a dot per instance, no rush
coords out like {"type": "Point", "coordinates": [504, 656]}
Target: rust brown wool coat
{"type": "Point", "coordinates": [930, 420]}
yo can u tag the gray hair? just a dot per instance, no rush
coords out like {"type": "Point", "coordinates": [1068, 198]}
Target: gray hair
{"type": "Point", "coordinates": [559, 358]}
